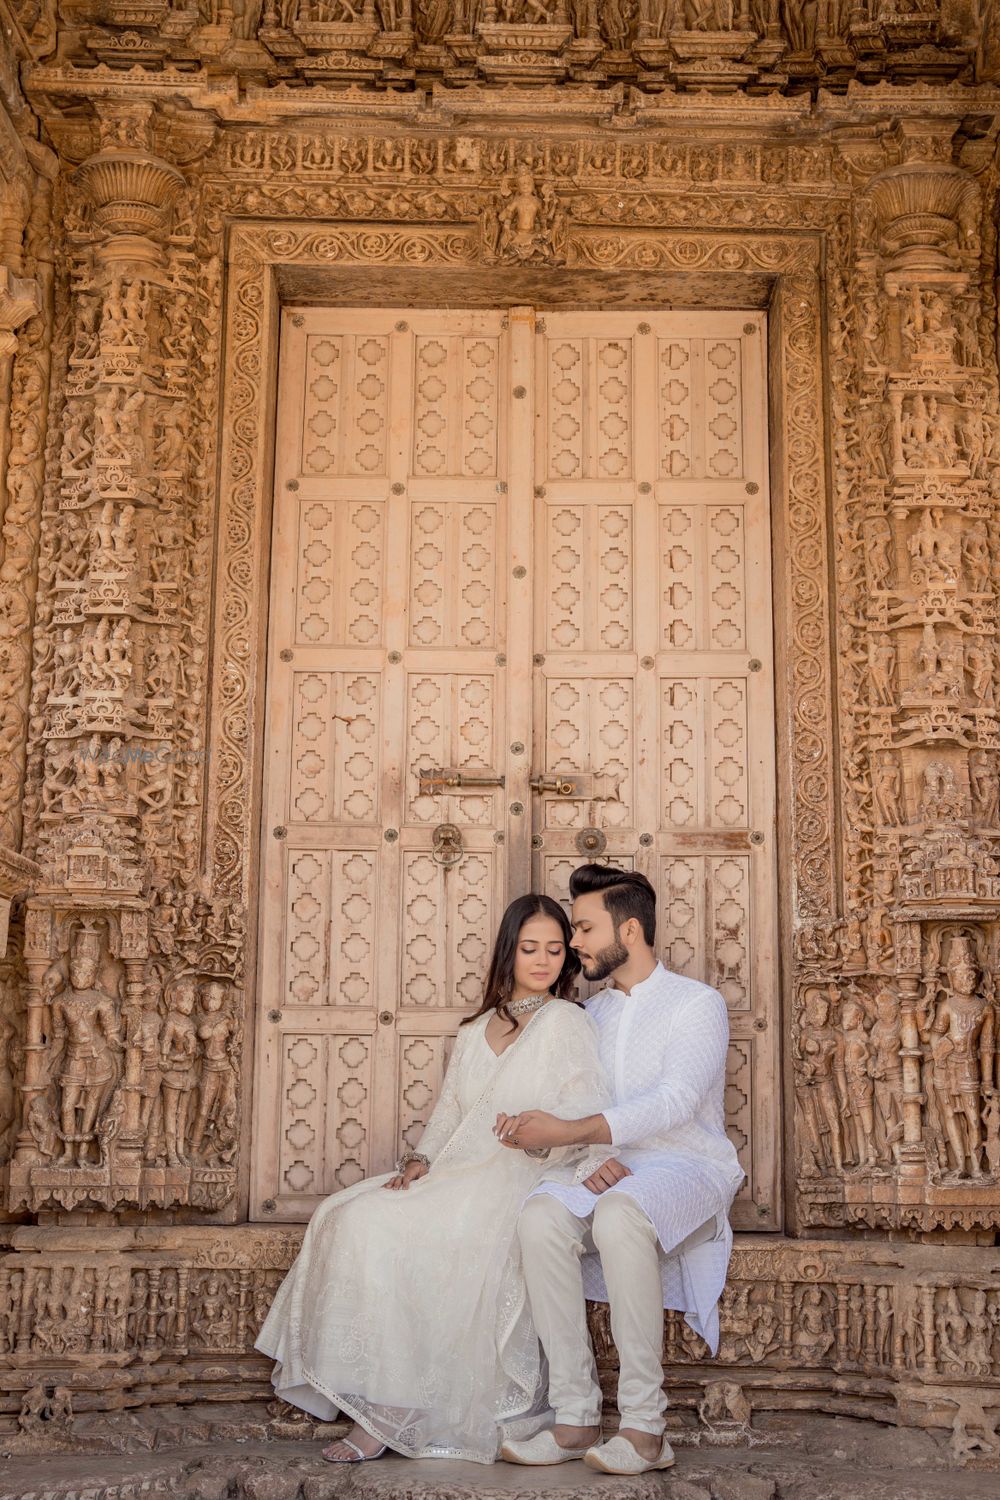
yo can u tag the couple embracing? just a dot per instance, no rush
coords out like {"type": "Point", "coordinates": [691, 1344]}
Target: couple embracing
{"type": "Point", "coordinates": [574, 1151]}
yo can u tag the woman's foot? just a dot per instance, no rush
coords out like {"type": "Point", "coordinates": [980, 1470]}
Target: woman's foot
{"type": "Point", "coordinates": [355, 1448]}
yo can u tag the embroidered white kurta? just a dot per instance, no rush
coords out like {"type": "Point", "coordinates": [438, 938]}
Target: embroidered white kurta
{"type": "Point", "coordinates": [664, 1048]}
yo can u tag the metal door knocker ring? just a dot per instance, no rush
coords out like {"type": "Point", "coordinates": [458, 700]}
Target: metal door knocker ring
{"type": "Point", "coordinates": [447, 844]}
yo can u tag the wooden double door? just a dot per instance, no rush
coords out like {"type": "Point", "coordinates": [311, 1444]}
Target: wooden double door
{"type": "Point", "coordinates": [520, 617]}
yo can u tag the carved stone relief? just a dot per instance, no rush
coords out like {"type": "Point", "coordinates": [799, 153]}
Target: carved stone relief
{"type": "Point", "coordinates": [770, 45]}
{"type": "Point", "coordinates": [897, 1058]}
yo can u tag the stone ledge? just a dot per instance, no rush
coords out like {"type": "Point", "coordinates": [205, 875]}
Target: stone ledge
{"type": "Point", "coordinates": [811, 1457]}
{"type": "Point", "coordinates": [123, 1318]}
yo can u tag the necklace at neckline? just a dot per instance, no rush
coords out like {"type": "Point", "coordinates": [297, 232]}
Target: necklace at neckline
{"type": "Point", "coordinates": [527, 1004]}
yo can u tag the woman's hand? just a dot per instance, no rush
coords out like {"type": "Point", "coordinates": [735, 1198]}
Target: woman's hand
{"type": "Point", "coordinates": [410, 1173]}
{"type": "Point", "coordinates": [531, 1130]}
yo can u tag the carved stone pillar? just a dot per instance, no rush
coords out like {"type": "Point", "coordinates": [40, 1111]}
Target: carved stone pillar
{"type": "Point", "coordinates": [912, 1015]}
{"type": "Point", "coordinates": [109, 1069]}
{"type": "Point", "coordinates": [25, 331]}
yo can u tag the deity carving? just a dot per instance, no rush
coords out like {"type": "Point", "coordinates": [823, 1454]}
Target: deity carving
{"type": "Point", "coordinates": [887, 785]}
{"type": "Point", "coordinates": [87, 1041]}
{"type": "Point", "coordinates": [178, 1043]}
{"type": "Point", "coordinates": [526, 223]}
{"type": "Point", "coordinates": [881, 668]}
{"type": "Point", "coordinates": [880, 553]}
{"type": "Point", "coordinates": [813, 1335]}
{"type": "Point", "coordinates": [958, 1028]}
{"type": "Point", "coordinates": [984, 780]}
{"type": "Point", "coordinates": [857, 1062]}
{"type": "Point", "coordinates": [822, 1071]}
{"type": "Point", "coordinates": [933, 551]}
{"type": "Point", "coordinates": [215, 1116]}
{"type": "Point", "coordinates": [886, 1069]}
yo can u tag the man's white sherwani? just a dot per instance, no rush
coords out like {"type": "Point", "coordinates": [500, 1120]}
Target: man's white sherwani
{"type": "Point", "coordinates": [664, 1048]}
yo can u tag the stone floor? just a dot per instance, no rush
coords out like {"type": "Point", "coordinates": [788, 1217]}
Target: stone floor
{"type": "Point", "coordinates": [214, 1456]}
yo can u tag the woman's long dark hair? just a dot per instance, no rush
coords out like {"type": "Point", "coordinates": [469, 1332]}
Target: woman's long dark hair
{"type": "Point", "coordinates": [499, 986]}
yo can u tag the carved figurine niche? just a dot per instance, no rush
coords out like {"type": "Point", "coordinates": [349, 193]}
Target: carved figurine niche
{"type": "Point", "coordinates": [87, 1048]}
{"type": "Point", "coordinates": [957, 1025]}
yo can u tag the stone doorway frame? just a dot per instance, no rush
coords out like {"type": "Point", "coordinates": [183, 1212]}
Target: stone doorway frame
{"type": "Point", "coordinates": [271, 263]}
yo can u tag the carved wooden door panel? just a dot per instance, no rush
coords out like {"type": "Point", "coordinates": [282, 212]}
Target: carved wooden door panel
{"type": "Point", "coordinates": [387, 657]}
{"type": "Point", "coordinates": [654, 661]}
{"type": "Point", "coordinates": [504, 547]}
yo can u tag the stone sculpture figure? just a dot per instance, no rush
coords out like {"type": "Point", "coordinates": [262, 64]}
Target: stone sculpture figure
{"type": "Point", "coordinates": [85, 1028]}
{"type": "Point", "coordinates": [880, 553]}
{"type": "Point", "coordinates": [928, 660]}
{"type": "Point", "coordinates": [887, 780]}
{"type": "Point", "coordinates": [979, 665]}
{"type": "Point", "coordinates": [218, 1079]}
{"type": "Point", "coordinates": [524, 224]}
{"type": "Point", "coordinates": [178, 1052]}
{"type": "Point", "coordinates": [820, 1050]}
{"type": "Point", "coordinates": [216, 1319]}
{"type": "Point", "coordinates": [77, 445]}
{"type": "Point", "coordinates": [885, 1039]}
{"type": "Point", "coordinates": [116, 1304]}
{"type": "Point", "coordinates": [103, 560]}
{"type": "Point", "coordinates": [881, 669]}
{"type": "Point", "coordinates": [959, 1032]}
{"type": "Point", "coordinates": [951, 1328]}
{"type": "Point", "coordinates": [926, 325]}
{"type": "Point", "coordinates": [860, 1088]}
{"type": "Point", "coordinates": [101, 664]}
{"type": "Point", "coordinates": [66, 666]}
{"type": "Point", "coordinates": [932, 552]}
{"type": "Point", "coordinates": [976, 557]}
{"type": "Point", "coordinates": [813, 1338]}
{"type": "Point", "coordinates": [144, 1042]}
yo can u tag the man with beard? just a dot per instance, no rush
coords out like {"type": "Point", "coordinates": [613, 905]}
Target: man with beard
{"type": "Point", "coordinates": [650, 1228]}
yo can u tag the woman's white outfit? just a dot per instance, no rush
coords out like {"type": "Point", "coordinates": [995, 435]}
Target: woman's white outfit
{"type": "Point", "coordinates": [407, 1309]}
{"type": "Point", "coordinates": [661, 1236]}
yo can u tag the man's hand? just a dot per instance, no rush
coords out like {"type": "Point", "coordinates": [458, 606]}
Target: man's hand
{"type": "Point", "coordinates": [612, 1171]}
{"type": "Point", "coordinates": [410, 1173]}
{"type": "Point", "coordinates": [530, 1131]}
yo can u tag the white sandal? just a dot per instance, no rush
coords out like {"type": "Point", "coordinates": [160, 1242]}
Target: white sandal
{"type": "Point", "coordinates": [362, 1458]}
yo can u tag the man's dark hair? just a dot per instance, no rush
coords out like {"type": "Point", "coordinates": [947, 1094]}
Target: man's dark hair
{"type": "Point", "coordinates": [626, 894]}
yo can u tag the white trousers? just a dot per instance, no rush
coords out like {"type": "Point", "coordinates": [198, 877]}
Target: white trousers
{"type": "Point", "coordinates": [553, 1241]}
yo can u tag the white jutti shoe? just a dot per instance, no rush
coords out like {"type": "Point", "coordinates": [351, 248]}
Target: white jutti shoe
{"type": "Point", "coordinates": [541, 1449]}
{"type": "Point", "coordinates": [617, 1456]}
